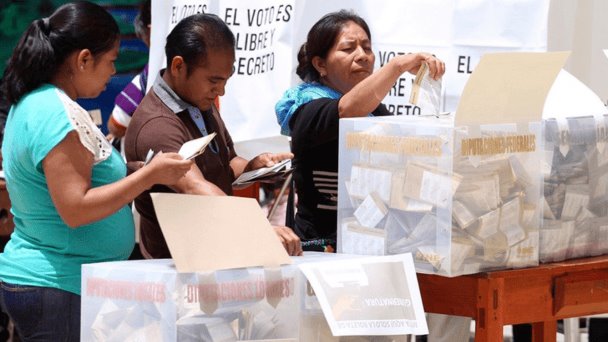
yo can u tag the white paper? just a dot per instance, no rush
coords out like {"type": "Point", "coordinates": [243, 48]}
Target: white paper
{"type": "Point", "coordinates": [365, 180]}
{"type": "Point", "coordinates": [480, 194]}
{"type": "Point", "coordinates": [602, 240]}
{"type": "Point", "coordinates": [205, 328]}
{"type": "Point", "coordinates": [488, 224]}
{"type": "Point", "coordinates": [510, 221]}
{"type": "Point", "coordinates": [525, 253]}
{"type": "Point", "coordinates": [429, 184]}
{"type": "Point", "coordinates": [400, 201]}
{"type": "Point", "coordinates": [193, 148]}
{"type": "Point", "coordinates": [495, 249]}
{"type": "Point", "coordinates": [380, 295]}
{"type": "Point", "coordinates": [584, 214]}
{"type": "Point", "coordinates": [252, 175]}
{"type": "Point", "coordinates": [436, 189]}
{"type": "Point", "coordinates": [547, 212]}
{"type": "Point", "coordinates": [529, 216]}
{"type": "Point", "coordinates": [360, 240]}
{"type": "Point", "coordinates": [460, 251]}
{"type": "Point", "coordinates": [577, 197]}
{"type": "Point", "coordinates": [602, 157]}
{"type": "Point", "coordinates": [601, 185]}
{"type": "Point", "coordinates": [545, 165]}
{"type": "Point", "coordinates": [555, 238]}
{"type": "Point", "coordinates": [462, 215]}
{"type": "Point", "coordinates": [371, 211]}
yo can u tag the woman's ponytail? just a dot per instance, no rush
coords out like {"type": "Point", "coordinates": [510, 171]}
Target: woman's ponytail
{"type": "Point", "coordinates": [32, 62]}
{"type": "Point", "coordinates": [305, 70]}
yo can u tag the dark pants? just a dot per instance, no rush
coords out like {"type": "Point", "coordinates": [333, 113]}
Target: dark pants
{"type": "Point", "coordinates": [4, 334]}
{"type": "Point", "coordinates": [598, 331]}
{"type": "Point", "coordinates": [42, 313]}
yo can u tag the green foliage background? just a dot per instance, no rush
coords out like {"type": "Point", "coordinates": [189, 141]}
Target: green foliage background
{"type": "Point", "coordinates": [16, 15]}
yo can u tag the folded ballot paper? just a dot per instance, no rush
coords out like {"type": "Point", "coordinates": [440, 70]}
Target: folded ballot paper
{"type": "Point", "coordinates": [462, 193]}
{"type": "Point", "coordinates": [195, 147]}
{"type": "Point", "coordinates": [273, 172]}
{"type": "Point", "coordinates": [189, 150]}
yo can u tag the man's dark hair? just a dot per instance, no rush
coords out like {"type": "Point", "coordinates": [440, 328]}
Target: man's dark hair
{"type": "Point", "coordinates": [195, 35]}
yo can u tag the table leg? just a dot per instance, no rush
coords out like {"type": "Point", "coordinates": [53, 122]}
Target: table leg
{"type": "Point", "coordinates": [489, 320]}
{"type": "Point", "coordinates": [544, 331]}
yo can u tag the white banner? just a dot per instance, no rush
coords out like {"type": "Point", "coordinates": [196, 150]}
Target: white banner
{"type": "Point", "coordinates": [269, 34]}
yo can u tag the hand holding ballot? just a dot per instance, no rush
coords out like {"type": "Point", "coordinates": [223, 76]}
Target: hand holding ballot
{"type": "Point", "coordinates": [267, 160]}
{"type": "Point", "coordinates": [264, 167]}
{"type": "Point", "coordinates": [264, 174]}
{"type": "Point", "coordinates": [168, 168]}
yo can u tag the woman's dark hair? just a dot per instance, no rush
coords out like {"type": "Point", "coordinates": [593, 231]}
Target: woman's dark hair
{"type": "Point", "coordinates": [192, 37]}
{"type": "Point", "coordinates": [321, 38]}
{"type": "Point", "coordinates": [46, 44]}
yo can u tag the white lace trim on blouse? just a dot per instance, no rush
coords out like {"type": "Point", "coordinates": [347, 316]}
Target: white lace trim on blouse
{"type": "Point", "coordinates": [90, 135]}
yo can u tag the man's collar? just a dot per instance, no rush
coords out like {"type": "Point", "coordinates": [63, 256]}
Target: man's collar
{"type": "Point", "coordinates": [168, 96]}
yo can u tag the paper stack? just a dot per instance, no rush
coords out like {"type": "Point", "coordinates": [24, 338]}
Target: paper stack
{"type": "Point", "coordinates": [275, 172]}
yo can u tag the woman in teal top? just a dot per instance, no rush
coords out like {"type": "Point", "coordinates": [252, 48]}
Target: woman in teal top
{"type": "Point", "coordinates": [66, 183]}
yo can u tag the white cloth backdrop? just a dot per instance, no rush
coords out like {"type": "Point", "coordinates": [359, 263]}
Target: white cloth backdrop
{"type": "Point", "coordinates": [270, 32]}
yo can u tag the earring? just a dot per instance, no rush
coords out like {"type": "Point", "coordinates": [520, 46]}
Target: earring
{"type": "Point", "coordinates": [322, 74]}
{"type": "Point", "coordinates": [81, 67]}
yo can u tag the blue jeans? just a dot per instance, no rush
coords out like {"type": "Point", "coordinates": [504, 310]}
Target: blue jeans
{"type": "Point", "coordinates": [42, 313]}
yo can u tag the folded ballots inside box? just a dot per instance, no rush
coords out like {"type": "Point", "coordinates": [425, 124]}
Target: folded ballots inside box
{"type": "Point", "coordinates": [575, 172]}
{"type": "Point", "coordinates": [462, 192]}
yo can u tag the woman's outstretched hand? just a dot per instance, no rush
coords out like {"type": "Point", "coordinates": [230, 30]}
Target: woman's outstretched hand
{"type": "Point", "coordinates": [168, 168]}
{"type": "Point", "coordinates": [413, 61]}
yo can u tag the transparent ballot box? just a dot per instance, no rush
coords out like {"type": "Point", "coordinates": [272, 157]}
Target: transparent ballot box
{"type": "Point", "coordinates": [149, 300]}
{"type": "Point", "coordinates": [461, 199]}
{"type": "Point", "coordinates": [575, 172]}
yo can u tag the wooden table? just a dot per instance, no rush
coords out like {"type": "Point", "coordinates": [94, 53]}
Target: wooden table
{"type": "Point", "coordinates": [539, 295]}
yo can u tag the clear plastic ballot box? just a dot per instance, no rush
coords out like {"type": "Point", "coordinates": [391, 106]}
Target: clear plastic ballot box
{"type": "Point", "coordinates": [460, 201]}
{"type": "Point", "coordinates": [575, 173]}
{"type": "Point", "coordinates": [148, 300]}
{"type": "Point", "coordinates": [461, 192]}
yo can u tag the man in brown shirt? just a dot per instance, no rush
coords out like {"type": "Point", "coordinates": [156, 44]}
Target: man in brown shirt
{"type": "Point", "coordinates": [180, 107]}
